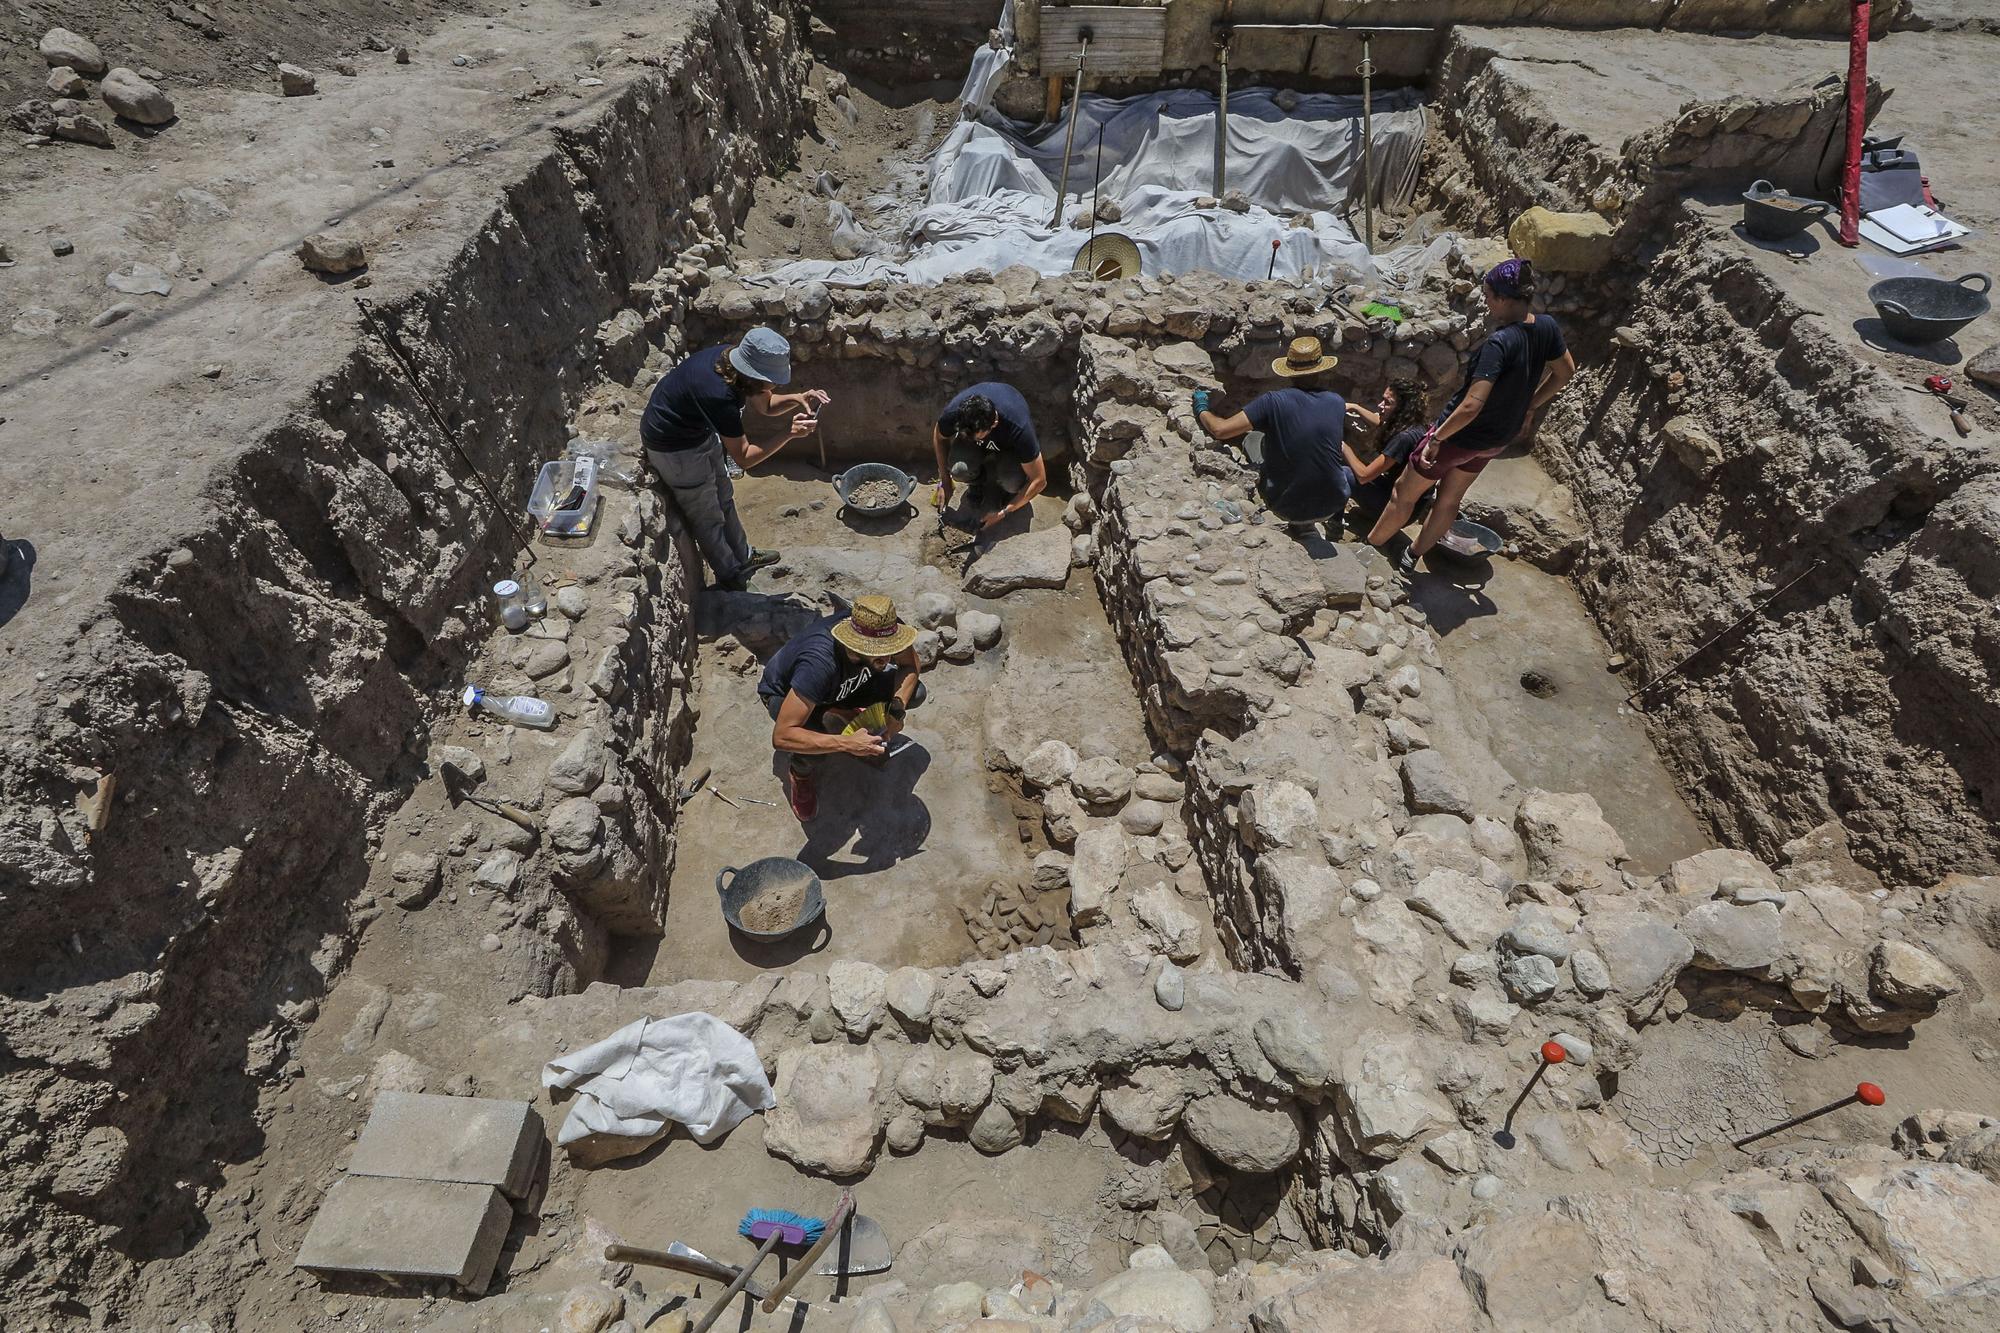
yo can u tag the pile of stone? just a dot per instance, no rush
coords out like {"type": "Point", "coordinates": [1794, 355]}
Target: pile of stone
{"type": "Point", "coordinates": [1019, 916]}
{"type": "Point", "coordinates": [74, 63]}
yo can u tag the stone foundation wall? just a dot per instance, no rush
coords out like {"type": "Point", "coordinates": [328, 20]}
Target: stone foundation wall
{"type": "Point", "coordinates": [194, 795]}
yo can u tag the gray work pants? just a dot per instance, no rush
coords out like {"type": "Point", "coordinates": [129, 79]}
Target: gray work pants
{"type": "Point", "coordinates": [701, 491]}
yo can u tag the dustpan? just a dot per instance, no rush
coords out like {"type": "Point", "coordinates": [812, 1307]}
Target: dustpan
{"type": "Point", "coordinates": [860, 1247]}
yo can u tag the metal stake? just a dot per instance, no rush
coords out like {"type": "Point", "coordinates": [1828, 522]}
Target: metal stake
{"type": "Point", "coordinates": [1863, 1092]}
{"type": "Point", "coordinates": [1222, 127]}
{"type": "Point", "coordinates": [1552, 1053]}
{"type": "Point", "coordinates": [1367, 144]}
{"type": "Point", "coordinates": [1069, 139]}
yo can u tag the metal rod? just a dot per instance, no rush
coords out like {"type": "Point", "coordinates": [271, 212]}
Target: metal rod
{"type": "Point", "coordinates": [1367, 144]}
{"type": "Point", "coordinates": [1069, 139]}
{"type": "Point", "coordinates": [1329, 27]}
{"type": "Point", "coordinates": [1717, 638]}
{"type": "Point", "coordinates": [1222, 127]}
{"type": "Point", "coordinates": [1863, 1092]}
{"type": "Point", "coordinates": [437, 420]}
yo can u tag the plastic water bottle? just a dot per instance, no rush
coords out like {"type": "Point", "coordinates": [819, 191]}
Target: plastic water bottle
{"type": "Point", "coordinates": [522, 710]}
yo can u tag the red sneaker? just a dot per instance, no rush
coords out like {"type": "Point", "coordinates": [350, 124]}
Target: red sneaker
{"type": "Point", "coordinates": [804, 794]}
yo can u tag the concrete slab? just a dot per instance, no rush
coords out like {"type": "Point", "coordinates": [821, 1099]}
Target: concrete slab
{"type": "Point", "coordinates": [469, 1140]}
{"type": "Point", "coordinates": [420, 1229]}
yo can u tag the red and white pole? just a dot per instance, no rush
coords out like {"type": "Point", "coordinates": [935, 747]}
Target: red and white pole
{"type": "Point", "coordinates": [1857, 122]}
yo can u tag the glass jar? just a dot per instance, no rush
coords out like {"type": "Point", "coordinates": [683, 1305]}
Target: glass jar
{"type": "Point", "coordinates": [533, 600]}
{"type": "Point", "coordinates": [513, 612]}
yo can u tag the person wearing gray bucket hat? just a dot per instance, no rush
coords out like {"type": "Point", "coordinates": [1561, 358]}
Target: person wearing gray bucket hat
{"type": "Point", "coordinates": [692, 430]}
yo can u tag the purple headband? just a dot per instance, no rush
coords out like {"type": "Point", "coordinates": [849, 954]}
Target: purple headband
{"type": "Point", "coordinates": [1505, 277]}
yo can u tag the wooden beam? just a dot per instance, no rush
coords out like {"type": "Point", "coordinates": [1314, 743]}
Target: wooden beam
{"type": "Point", "coordinates": [1053, 107]}
{"type": "Point", "coordinates": [1124, 41]}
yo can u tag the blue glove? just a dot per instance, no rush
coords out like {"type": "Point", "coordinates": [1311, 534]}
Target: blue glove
{"type": "Point", "coordinates": [1200, 401]}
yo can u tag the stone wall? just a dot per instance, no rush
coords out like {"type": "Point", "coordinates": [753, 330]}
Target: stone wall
{"type": "Point", "coordinates": [194, 795]}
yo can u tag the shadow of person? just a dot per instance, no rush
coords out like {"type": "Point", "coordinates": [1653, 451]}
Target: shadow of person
{"type": "Point", "coordinates": [1450, 590]}
{"type": "Point", "coordinates": [870, 817]}
{"type": "Point", "coordinates": [17, 569]}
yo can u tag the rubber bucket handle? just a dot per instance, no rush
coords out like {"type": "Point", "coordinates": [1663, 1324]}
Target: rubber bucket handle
{"type": "Point", "coordinates": [1985, 281]}
{"type": "Point", "coordinates": [1818, 208]}
{"type": "Point", "coordinates": [1762, 189]}
{"type": "Point", "coordinates": [1894, 308]}
{"type": "Point", "coordinates": [722, 889]}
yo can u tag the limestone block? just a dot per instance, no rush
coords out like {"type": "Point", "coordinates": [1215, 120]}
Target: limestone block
{"type": "Point", "coordinates": [826, 1120]}
{"type": "Point", "coordinates": [135, 99]}
{"type": "Point", "coordinates": [1703, 874]}
{"type": "Point", "coordinates": [419, 1229]}
{"type": "Point", "coordinates": [60, 46]}
{"type": "Point", "coordinates": [1248, 1138]}
{"type": "Point", "coordinates": [1157, 1298]}
{"type": "Point", "coordinates": [1691, 445]}
{"type": "Point", "coordinates": [857, 992]}
{"type": "Point", "coordinates": [469, 1140]}
{"type": "Point", "coordinates": [1728, 938]}
{"type": "Point", "coordinates": [1561, 242]}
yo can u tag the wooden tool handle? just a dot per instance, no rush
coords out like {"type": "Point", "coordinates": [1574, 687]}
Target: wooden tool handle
{"type": "Point", "coordinates": [804, 1265]}
{"type": "Point", "coordinates": [1958, 421]}
{"type": "Point", "coordinates": [680, 1263]}
{"type": "Point", "coordinates": [742, 1281]}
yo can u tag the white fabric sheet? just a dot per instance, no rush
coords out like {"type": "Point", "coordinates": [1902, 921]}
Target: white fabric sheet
{"type": "Point", "coordinates": [692, 1069]}
{"type": "Point", "coordinates": [991, 189]}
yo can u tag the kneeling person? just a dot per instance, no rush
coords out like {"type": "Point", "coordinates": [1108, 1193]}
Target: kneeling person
{"type": "Point", "coordinates": [1303, 475]}
{"type": "Point", "coordinates": [860, 667]}
{"type": "Point", "coordinates": [985, 439]}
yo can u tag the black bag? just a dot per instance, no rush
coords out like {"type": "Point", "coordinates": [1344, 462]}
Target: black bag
{"type": "Point", "coordinates": [1889, 176]}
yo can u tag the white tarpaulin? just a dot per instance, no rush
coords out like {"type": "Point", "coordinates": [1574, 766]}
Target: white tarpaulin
{"type": "Point", "coordinates": [992, 199]}
{"type": "Point", "coordinates": [692, 1069]}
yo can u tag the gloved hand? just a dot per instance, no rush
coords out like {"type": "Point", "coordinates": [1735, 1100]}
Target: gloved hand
{"type": "Point", "coordinates": [1200, 401]}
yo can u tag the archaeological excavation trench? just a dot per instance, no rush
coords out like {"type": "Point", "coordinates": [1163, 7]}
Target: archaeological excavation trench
{"type": "Point", "coordinates": [1193, 961]}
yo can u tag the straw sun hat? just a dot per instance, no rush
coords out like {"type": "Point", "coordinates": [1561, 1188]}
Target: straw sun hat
{"type": "Point", "coordinates": [1304, 357]}
{"type": "Point", "coordinates": [872, 630]}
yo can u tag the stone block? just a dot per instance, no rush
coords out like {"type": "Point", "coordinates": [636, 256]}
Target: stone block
{"type": "Point", "coordinates": [468, 1140]}
{"type": "Point", "coordinates": [1561, 242]}
{"type": "Point", "coordinates": [421, 1229]}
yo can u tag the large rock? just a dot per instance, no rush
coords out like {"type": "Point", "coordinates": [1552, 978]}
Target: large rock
{"type": "Point", "coordinates": [1567, 839]}
{"type": "Point", "coordinates": [135, 99]}
{"type": "Point", "coordinates": [1728, 938]}
{"type": "Point", "coordinates": [1386, 1097]}
{"type": "Point", "coordinates": [995, 1130]}
{"type": "Point", "coordinates": [1471, 911]}
{"type": "Point", "coordinates": [909, 993]}
{"type": "Point", "coordinates": [1903, 976]}
{"type": "Point", "coordinates": [1301, 1049]}
{"type": "Point", "coordinates": [858, 993]}
{"type": "Point", "coordinates": [826, 1120]}
{"type": "Point", "coordinates": [1259, 1140]}
{"type": "Point", "coordinates": [1171, 928]}
{"type": "Point", "coordinates": [1034, 559]}
{"type": "Point", "coordinates": [1279, 814]}
{"type": "Point", "coordinates": [1101, 781]}
{"type": "Point", "coordinates": [1561, 242]}
{"type": "Point", "coordinates": [1532, 1272]}
{"type": "Point", "coordinates": [580, 767]}
{"type": "Point", "coordinates": [1150, 1105]}
{"type": "Point", "coordinates": [1702, 874]}
{"type": "Point", "coordinates": [1101, 857]}
{"type": "Point", "coordinates": [1941, 1221]}
{"type": "Point", "coordinates": [60, 46]}
{"type": "Point", "coordinates": [1049, 764]}
{"type": "Point", "coordinates": [950, 1084]}
{"type": "Point", "coordinates": [1424, 1295]}
{"type": "Point", "coordinates": [1157, 1298]}
{"type": "Point", "coordinates": [325, 252]}
{"type": "Point", "coordinates": [1643, 955]}
{"type": "Point", "coordinates": [1433, 787]}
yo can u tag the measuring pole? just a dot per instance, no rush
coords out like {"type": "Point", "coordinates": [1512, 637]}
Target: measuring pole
{"type": "Point", "coordinates": [1367, 144]}
{"type": "Point", "coordinates": [1069, 139]}
{"type": "Point", "coordinates": [1857, 122]}
{"type": "Point", "coordinates": [1222, 126]}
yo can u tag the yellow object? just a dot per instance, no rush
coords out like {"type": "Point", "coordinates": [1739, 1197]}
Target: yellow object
{"type": "Point", "coordinates": [875, 717]}
{"type": "Point", "coordinates": [1561, 242]}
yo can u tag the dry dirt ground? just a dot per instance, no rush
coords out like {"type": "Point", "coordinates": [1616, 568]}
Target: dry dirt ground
{"type": "Point", "coordinates": [108, 436]}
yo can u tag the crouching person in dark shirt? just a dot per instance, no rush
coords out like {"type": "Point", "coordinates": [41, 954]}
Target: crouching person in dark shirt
{"type": "Point", "coordinates": [1398, 422]}
{"type": "Point", "coordinates": [985, 441]}
{"type": "Point", "coordinates": [842, 687]}
{"type": "Point", "coordinates": [1302, 475]}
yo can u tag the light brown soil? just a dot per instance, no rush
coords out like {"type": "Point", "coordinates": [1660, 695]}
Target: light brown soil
{"type": "Point", "coordinates": [776, 908]}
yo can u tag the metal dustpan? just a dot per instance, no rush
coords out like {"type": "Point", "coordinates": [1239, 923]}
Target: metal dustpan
{"type": "Point", "coordinates": [861, 1247]}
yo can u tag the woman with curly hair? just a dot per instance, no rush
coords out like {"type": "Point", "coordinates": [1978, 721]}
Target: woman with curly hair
{"type": "Point", "coordinates": [1399, 424]}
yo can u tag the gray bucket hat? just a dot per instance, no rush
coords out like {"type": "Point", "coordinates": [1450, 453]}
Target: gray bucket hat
{"type": "Point", "coordinates": [763, 355]}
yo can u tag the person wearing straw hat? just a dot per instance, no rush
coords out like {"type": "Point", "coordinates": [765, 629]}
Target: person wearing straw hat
{"type": "Point", "coordinates": [1509, 379]}
{"type": "Point", "coordinates": [692, 429]}
{"type": "Point", "coordinates": [1301, 473]}
{"type": "Point", "coordinates": [841, 687]}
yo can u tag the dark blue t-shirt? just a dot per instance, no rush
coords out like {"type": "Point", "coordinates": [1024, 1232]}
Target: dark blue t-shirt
{"type": "Point", "coordinates": [1014, 436]}
{"type": "Point", "coordinates": [1513, 357]}
{"type": "Point", "coordinates": [1398, 450]}
{"type": "Point", "coordinates": [813, 667]}
{"type": "Point", "coordinates": [1304, 478]}
{"type": "Point", "coordinates": [690, 404]}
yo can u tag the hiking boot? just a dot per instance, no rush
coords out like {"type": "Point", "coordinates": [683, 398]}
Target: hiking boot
{"type": "Point", "coordinates": [762, 559]}
{"type": "Point", "coordinates": [731, 468]}
{"type": "Point", "coordinates": [1406, 564]}
{"type": "Point", "coordinates": [803, 792]}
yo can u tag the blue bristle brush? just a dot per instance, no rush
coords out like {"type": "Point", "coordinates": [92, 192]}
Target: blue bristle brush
{"type": "Point", "coordinates": [759, 1223]}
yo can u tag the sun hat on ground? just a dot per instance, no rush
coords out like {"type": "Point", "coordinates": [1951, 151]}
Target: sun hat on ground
{"type": "Point", "coordinates": [763, 355]}
{"type": "Point", "coordinates": [1304, 357]}
{"type": "Point", "coordinates": [872, 629]}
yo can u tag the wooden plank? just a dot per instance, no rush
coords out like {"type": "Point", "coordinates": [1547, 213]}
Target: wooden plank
{"type": "Point", "coordinates": [1125, 40]}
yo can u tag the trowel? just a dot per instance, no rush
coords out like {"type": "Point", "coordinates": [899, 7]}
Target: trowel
{"type": "Point", "coordinates": [860, 1247]}
{"type": "Point", "coordinates": [458, 788]}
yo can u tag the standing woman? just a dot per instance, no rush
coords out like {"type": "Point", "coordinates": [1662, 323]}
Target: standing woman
{"type": "Point", "coordinates": [695, 419]}
{"type": "Point", "coordinates": [1514, 372]}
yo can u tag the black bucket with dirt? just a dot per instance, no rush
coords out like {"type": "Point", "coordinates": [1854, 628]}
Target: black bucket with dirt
{"type": "Point", "coordinates": [770, 899]}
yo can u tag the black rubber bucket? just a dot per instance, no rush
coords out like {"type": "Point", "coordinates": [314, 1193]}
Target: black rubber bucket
{"type": "Point", "coordinates": [1929, 310]}
{"type": "Point", "coordinates": [845, 483]}
{"type": "Point", "coordinates": [739, 888]}
{"type": "Point", "coordinates": [1770, 214]}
